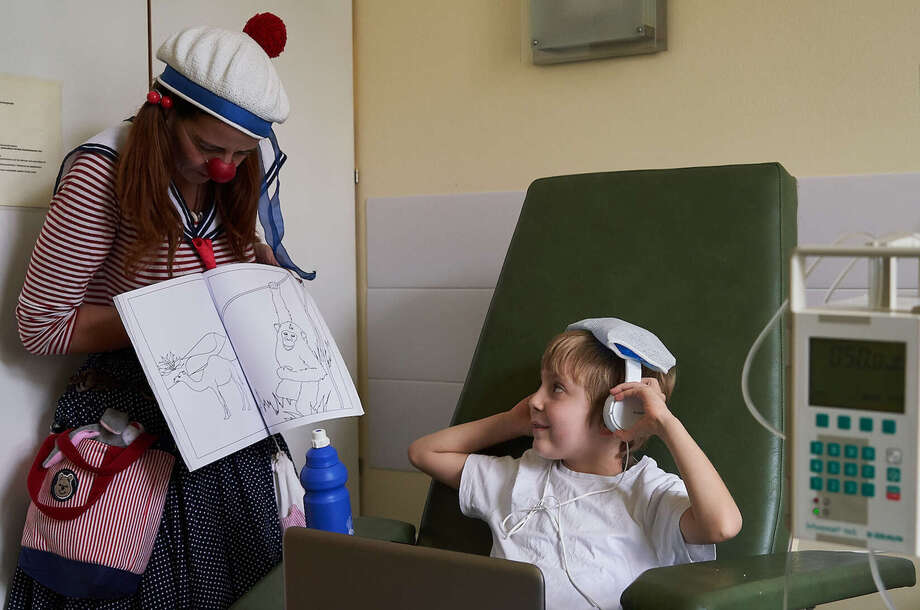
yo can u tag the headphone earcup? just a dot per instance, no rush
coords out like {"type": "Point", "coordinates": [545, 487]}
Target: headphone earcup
{"type": "Point", "coordinates": [621, 415]}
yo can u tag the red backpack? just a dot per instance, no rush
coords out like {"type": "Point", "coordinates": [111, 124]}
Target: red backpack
{"type": "Point", "coordinates": [95, 511]}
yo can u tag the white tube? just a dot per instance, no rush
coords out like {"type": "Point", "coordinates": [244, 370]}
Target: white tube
{"type": "Point", "coordinates": [746, 369]}
{"type": "Point", "coordinates": [877, 579]}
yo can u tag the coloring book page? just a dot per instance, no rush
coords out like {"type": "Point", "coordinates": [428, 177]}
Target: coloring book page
{"type": "Point", "coordinates": [292, 363]}
{"type": "Point", "coordinates": [221, 390]}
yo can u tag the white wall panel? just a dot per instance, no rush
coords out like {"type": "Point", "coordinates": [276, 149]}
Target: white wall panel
{"type": "Point", "coordinates": [398, 412]}
{"type": "Point", "coordinates": [30, 384]}
{"type": "Point", "coordinates": [423, 334]}
{"type": "Point", "coordinates": [439, 241]}
{"type": "Point", "coordinates": [98, 52]}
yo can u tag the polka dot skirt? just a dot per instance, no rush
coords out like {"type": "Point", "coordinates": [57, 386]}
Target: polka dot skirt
{"type": "Point", "coordinates": [220, 531]}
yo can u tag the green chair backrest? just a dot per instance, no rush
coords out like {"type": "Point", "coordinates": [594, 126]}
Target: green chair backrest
{"type": "Point", "coordinates": [698, 256]}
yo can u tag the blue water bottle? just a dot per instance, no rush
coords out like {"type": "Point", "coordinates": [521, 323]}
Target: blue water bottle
{"type": "Point", "coordinates": [326, 503]}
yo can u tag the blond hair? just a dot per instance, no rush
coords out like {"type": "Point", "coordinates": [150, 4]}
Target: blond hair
{"type": "Point", "coordinates": [578, 355]}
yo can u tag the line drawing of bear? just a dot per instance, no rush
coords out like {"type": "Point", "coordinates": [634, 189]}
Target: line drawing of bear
{"type": "Point", "coordinates": [302, 361]}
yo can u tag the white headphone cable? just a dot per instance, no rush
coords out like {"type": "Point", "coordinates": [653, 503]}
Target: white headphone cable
{"type": "Point", "coordinates": [557, 520]}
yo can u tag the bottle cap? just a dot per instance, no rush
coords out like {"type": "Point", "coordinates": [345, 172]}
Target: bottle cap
{"type": "Point", "coordinates": [320, 439]}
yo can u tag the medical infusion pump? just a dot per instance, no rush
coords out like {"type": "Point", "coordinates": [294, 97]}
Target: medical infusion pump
{"type": "Point", "coordinates": [855, 410]}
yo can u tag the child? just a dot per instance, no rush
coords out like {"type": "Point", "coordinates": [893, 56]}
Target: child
{"type": "Point", "coordinates": [573, 504]}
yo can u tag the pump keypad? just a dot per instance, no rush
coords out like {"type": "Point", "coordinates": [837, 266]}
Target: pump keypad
{"type": "Point", "coordinates": [857, 459]}
{"type": "Point", "coordinates": [844, 472]}
{"type": "Point", "coordinates": [845, 468]}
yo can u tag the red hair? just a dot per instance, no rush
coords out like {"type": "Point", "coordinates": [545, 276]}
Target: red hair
{"type": "Point", "coordinates": [144, 172]}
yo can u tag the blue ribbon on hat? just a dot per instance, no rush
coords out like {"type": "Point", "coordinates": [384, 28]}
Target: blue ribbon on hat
{"type": "Point", "coordinates": [230, 111]}
{"type": "Point", "coordinates": [269, 205]}
{"type": "Point", "coordinates": [270, 212]}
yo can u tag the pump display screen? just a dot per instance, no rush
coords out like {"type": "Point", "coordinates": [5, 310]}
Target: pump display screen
{"type": "Point", "coordinates": [856, 374]}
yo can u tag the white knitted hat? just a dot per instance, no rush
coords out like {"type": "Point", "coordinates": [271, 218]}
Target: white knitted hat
{"type": "Point", "coordinates": [228, 74]}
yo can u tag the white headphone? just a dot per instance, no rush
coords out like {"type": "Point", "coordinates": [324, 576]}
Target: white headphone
{"type": "Point", "coordinates": [638, 347]}
{"type": "Point", "coordinates": [623, 414]}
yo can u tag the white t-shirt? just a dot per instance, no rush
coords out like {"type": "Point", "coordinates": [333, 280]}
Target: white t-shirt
{"type": "Point", "coordinates": [610, 538]}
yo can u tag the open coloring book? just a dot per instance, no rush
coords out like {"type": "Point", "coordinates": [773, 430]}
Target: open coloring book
{"type": "Point", "coordinates": [223, 346]}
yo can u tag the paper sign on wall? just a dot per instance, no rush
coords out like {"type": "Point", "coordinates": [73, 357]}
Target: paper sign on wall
{"type": "Point", "coordinates": [30, 139]}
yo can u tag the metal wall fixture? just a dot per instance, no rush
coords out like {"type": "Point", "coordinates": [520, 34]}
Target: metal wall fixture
{"type": "Point", "coordinates": [577, 30]}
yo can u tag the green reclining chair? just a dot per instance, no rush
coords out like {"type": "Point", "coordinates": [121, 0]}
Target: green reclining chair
{"type": "Point", "coordinates": [700, 256]}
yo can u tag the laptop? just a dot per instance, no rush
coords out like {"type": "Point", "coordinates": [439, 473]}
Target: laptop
{"type": "Point", "coordinates": [328, 570]}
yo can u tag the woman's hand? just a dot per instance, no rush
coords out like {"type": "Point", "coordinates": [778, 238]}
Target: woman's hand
{"type": "Point", "coordinates": [265, 255]}
{"type": "Point", "coordinates": [657, 415]}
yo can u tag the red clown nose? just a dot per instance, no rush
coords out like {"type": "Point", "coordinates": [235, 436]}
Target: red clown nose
{"type": "Point", "coordinates": [219, 171]}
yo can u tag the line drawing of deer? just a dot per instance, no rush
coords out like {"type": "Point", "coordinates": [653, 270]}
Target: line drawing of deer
{"type": "Point", "coordinates": [204, 368]}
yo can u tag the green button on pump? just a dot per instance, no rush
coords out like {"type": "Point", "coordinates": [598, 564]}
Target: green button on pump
{"type": "Point", "coordinates": [894, 474]}
{"type": "Point", "coordinates": [833, 468]}
{"type": "Point", "coordinates": [865, 424]}
{"type": "Point", "coordinates": [868, 490]}
{"type": "Point", "coordinates": [833, 449]}
{"type": "Point", "coordinates": [816, 483]}
{"type": "Point", "coordinates": [888, 426]}
{"type": "Point", "coordinates": [850, 469]}
{"type": "Point", "coordinates": [851, 452]}
{"type": "Point", "coordinates": [849, 487]}
{"type": "Point", "coordinates": [817, 447]}
{"type": "Point", "coordinates": [868, 453]}
{"type": "Point", "coordinates": [822, 420]}
{"type": "Point", "coordinates": [833, 486]}
{"type": "Point", "coordinates": [843, 422]}
{"type": "Point", "coordinates": [816, 465]}
{"type": "Point", "coordinates": [868, 472]}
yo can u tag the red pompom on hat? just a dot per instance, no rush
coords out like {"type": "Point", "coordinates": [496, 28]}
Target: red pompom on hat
{"type": "Point", "coordinates": [268, 30]}
{"type": "Point", "coordinates": [202, 62]}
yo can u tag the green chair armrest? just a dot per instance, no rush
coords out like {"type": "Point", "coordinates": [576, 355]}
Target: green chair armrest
{"type": "Point", "coordinates": [755, 583]}
{"type": "Point", "coordinates": [268, 593]}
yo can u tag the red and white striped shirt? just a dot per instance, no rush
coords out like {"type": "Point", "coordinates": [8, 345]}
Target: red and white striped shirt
{"type": "Point", "coordinates": [80, 253]}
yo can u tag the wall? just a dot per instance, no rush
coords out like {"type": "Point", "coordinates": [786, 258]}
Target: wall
{"type": "Point", "coordinates": [104, 79]}
{"type": "Point", "coordinates": [447, 102]}
{"type": "Point", "coordinates": [53, 41]}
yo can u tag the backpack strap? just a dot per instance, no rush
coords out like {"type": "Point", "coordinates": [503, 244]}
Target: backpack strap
{"type": "Point", "coordinates": [121, 459]}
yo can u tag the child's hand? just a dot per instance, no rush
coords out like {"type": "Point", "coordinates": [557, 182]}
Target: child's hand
{"type": "Point", "coordinates": [519, 416]}
{"type": "Point", "coordinates": [656, 410]}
